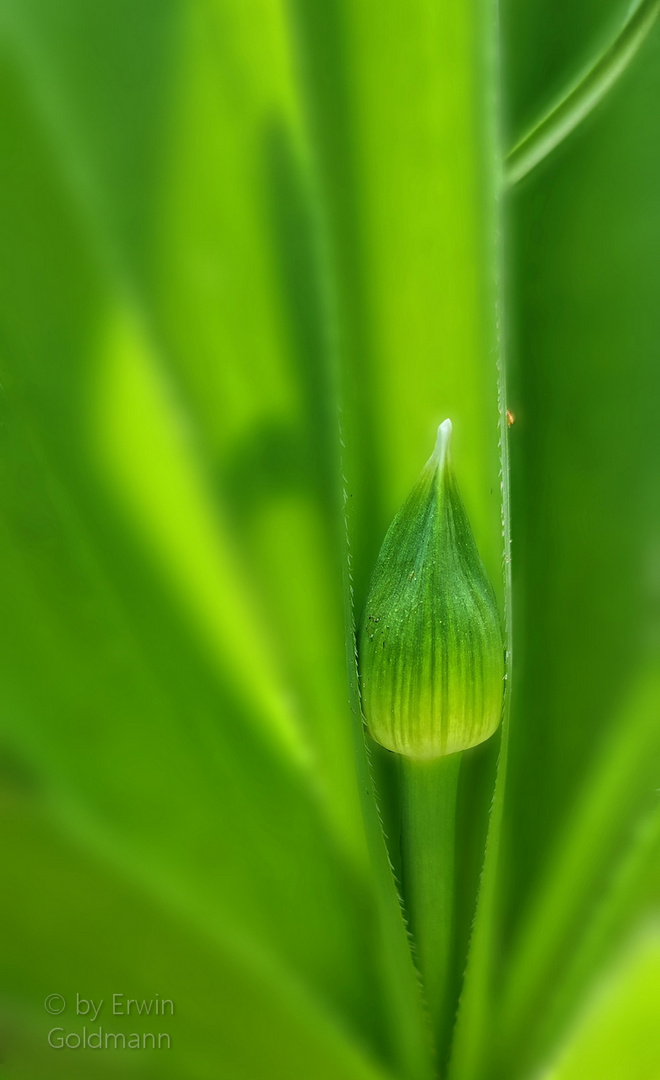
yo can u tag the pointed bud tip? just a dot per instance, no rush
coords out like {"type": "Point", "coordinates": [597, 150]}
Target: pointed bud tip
{"type": "Point", "coordinates": [441, 450]}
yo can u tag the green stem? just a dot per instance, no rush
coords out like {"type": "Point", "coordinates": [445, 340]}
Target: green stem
{"type": "Point", "coordinates": [582, 98]}
{"type": "Point", "coordinates": [428, 828]}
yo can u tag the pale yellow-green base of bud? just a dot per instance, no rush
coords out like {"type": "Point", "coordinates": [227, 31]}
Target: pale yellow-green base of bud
{"type": "Point", "coordinates": [431, 649]}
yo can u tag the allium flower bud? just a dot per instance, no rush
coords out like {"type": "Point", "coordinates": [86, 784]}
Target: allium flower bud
{"type": "Point", "coordinates": [431, 650]}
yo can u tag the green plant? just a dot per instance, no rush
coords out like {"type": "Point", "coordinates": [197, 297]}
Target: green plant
{"type": "Point", "coordinates": [225, 224]}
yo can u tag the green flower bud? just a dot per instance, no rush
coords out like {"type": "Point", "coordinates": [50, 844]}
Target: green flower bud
{"type": "Point", "coordinates": [431, 649]}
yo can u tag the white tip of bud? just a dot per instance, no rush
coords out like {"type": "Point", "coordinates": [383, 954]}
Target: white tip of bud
{"type": "Point", "coordinates": [441, 451]}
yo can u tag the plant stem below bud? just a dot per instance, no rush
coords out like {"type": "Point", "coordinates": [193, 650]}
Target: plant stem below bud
{"type": "Point", "coordinates": [428, 828]}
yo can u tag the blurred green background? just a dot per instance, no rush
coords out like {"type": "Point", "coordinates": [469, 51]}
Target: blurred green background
{"type": "Point", "coordinates": [203, 203]}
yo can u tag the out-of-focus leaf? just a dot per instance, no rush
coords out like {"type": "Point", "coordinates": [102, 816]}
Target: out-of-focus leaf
{"type": "Point", "coordinates": [140, 441]}
{"type": "Point", "coordinates": [100, 935]}
{"type": "Point", "coordinates": [629, 896]}
{"type": "Point", "coordinates": [622, 788]}
{"type": "Point", "coordinates": [151, 751]}
{"type": "Point", "coordinates": [585, 453]}
{"type": "Point", "coordinates": [577, 102]}
{"type": "Point", "coordinates": [618, 1036]}
{"type": "Point", "coordinates": [237, 311]}
{"type": "Point", "coordinates": [416, 323]}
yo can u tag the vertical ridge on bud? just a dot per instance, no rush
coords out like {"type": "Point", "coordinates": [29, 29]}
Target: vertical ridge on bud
{"type": "Point", "coordinates": [431, 649]}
